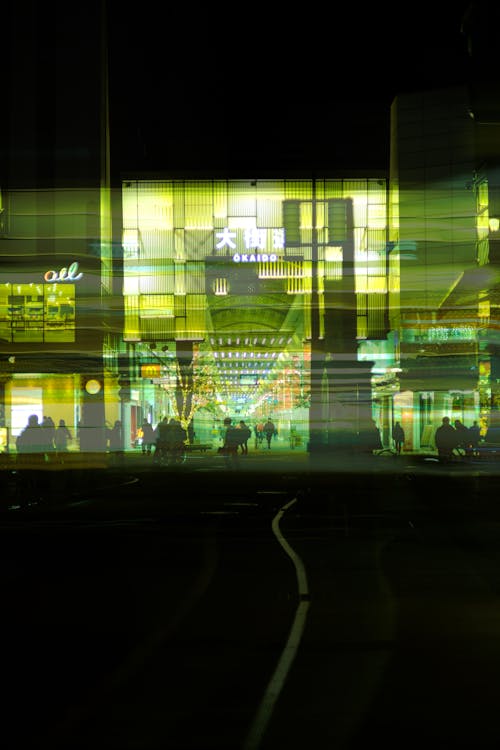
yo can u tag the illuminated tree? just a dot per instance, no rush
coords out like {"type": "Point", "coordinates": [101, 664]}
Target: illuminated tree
{"type": "Point", "coordinates": [196, 388]}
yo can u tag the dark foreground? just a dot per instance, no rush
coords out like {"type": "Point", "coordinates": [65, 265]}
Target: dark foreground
{"type": "Point", "coordinates": [199, 608]}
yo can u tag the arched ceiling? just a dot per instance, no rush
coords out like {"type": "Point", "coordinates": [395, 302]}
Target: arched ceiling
{"type": "Point", "coordinates": [253, 336]}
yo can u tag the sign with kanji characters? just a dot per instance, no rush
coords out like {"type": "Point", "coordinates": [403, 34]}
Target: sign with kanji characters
{"type": "Point", "coordinates": [256, 241]}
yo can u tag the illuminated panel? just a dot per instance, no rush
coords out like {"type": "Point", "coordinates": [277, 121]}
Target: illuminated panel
{"type": "Point", "coordinates": [156, 305]}
{"type": "Point", "coordinates": [171, 224]}
{"type": "Point", "coordinates": [131, 244]}
{"type": "Point", "coordinates": [483, 226]}
{"type": "Point", "coordinates": [37, 312]}
{"type": "Point", "coordinates": [131, 323]}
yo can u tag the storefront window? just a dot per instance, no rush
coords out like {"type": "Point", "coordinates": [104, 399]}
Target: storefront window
{"type": "Point", "coordinates": [37, 312]}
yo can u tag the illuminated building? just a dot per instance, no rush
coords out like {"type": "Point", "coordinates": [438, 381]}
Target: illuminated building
{"type": "Point", "coordinates": [320, 302]}
{"type": "Point", "coordinates": [238, 271]}
{"type": "Point", "coordinates": [60, 319]}
{"type": "Point", "coordinates": [444, 237]}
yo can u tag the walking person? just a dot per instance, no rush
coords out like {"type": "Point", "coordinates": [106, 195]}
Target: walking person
{"type": "Point", "coordinates": [231, 442]}
{"type": "Point", "coordinates": [445, 440]}
{"type": "Point", "coordinates": [148, 438]}
{"type": "Point", "coordinates": [269, 430]}
{"type": "Point", "coordinates": [259, 434]}
{"type": "Point", "coordinates": [246, 433]}
{"type": "Point", "coordinates": [31, 440]}
{"type": "Point", "coordinates": [398, 435]}
{"type": "Point", "coordinates": [49, 434]}
{"type": "Point", "coordinates": [162, 430]}
{"type": "Point", "coordinates": [62, 437]}
{"type": "Point", "coordinates": [474, 437]}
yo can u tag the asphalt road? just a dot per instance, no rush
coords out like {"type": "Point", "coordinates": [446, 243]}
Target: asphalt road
{"type": "Point", "coordinates": [161, 609]}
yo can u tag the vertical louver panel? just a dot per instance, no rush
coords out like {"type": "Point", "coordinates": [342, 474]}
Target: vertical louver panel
{"type": "Point", "coordinates": [190, 318]}
{"type": "Point", "coordinates": [241, 199]}
{"type": "Point", "coordinates": [131, 322]}
{"type": "Point", "coordinates": [198, 243]}
{"type": "Point", "coordinates": [157, 243]}
{"type": "Point", "coordinates": [291, 222]}
{"type": "Point", "coordinates": [157, 278]}
{"type": "Point", "coordinates": [157, 328]}
{"type": "Point", "coordinates": [376, 315]}
{"type": "Point", "coordinates": [198, 205]}
{"type": "Point", "coordinates": [195, 278]}
{"type": "Point", "coordinates": [179, 243]}
{"type": "Point", "coordinates": [179, 215]}
{"type": "Point", "coordinates": [338, 222]}
{"type": "Point", "coordinates": [180, 279]}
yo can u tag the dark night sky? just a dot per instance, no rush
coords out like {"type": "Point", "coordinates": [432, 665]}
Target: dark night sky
{"type": "Point", "coordinates": [250, 92]}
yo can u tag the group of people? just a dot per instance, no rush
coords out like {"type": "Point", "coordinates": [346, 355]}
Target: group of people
{"type": "Point", "coordinates": [265, 431]}
{"type": "Point", "coordinates": [43, 438]}
{"type": "Point", "coordinates": [166, 443]}
{"type": "Point", "coordinates": [450, 437]}
{"type": "Point", "coordinates": [169, 440]}
{"type": "Point", "coordinates": [236, 437]}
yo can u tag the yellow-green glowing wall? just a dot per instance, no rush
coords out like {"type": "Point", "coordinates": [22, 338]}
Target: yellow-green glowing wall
{"type": "Point", "coordinates": [172, 227]}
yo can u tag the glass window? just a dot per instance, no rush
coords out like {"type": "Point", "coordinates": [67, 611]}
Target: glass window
{"type": "Point", "coordinates": [37, 312]}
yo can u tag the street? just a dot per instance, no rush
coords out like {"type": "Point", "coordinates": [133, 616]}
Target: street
{"type": "Point", "coordinates": [159, 614]}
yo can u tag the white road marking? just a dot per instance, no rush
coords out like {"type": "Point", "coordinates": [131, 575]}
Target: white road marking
{"type": "Point", "coordinates": [275, 686]}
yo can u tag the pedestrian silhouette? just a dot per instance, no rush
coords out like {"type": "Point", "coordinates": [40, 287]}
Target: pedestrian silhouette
{"type": "Point", "coordinates": [269, 430]}
{"type": "Point", "coordinates": [31, 439]}
{"type": "Point", "coordinates": [259, 434]}
{"type": "Point", "coordinates": [148, 437]}
{"type": "Point", "coordinates": [445, 439]}
{"type": "Point", "coordinates": [162, 430]}
{"type": "Point", "coordinates": [246, 433]}
{"type": "Point", "coordinates": [115, 442]}
{"type": "Point", "coordinates": [31, 479]}
{"type": "Point", "coordinates": [474, 437]}
{"type": "Point", "coordinates": [232, 439]}
{"type": "Point", "coordinates": [48, 436]}
{"type": "Point", "coordinates": [463, 437]}
{"type": "Point", "coordinates": [398, 435]}
{"type": "Point", "coordinates": [62, 437]}
{"type": "Point", "coordinates": [174, 442]}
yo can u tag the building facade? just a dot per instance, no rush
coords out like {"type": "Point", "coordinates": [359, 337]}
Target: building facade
{"type": "Point", "coordinates": [60, 306]}
{"type": "Point", "coordinates": [443, 266]}
{"type": "Point", "coordinates": [324, 302]}
{"type": "Point", "coordinates": [262, 278]}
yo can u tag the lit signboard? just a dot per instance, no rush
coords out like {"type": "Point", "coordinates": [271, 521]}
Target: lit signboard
{"type": "Point", "coordinates": [255, 241]}
{"type": "Point", "coordinates": [150, 371]}
{"type": "Point", "coordinates": [65, 274]}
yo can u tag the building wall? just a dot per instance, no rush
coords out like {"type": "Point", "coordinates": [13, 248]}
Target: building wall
{"type": "Point", "coordinates": [435, 156]}
{"type": "Point", "coordinates": [55, 181]}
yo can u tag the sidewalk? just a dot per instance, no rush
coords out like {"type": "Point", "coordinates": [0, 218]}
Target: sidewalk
{"type": "Point", "coordinates": [280, 456]}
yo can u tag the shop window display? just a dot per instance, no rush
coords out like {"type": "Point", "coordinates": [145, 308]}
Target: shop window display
{"type": "Point", "coordinates": [34, 312]}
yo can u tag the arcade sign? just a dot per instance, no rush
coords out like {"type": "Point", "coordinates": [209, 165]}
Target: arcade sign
{"type": "Point", "coordinates": [255, 244]}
